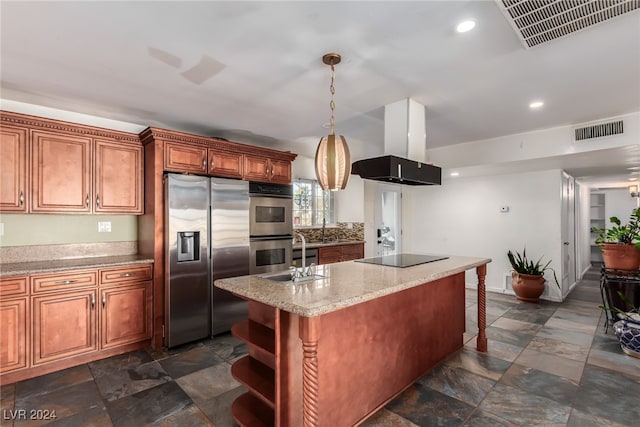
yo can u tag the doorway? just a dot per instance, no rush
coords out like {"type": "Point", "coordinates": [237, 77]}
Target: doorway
{"type": "Point", "coordinates": [388, 219]}
{"type": "Point", "coordinates": [568, 233]}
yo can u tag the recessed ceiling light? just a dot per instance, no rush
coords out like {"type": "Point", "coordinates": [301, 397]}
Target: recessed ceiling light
{"type": "Point", "coordinates": [536, 104]}
{"type": "Point", "coordinates": [455, 173]}
{"type": "Point", "coordinates": [465, 26]}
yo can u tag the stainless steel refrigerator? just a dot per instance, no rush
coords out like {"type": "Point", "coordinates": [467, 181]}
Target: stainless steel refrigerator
{"type": "Point", "coordinates": [207, 238]}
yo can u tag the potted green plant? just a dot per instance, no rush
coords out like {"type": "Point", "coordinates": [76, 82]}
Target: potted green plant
{"type": "Point", "coordinates": [528, 276]}
{"type": "Point", "coordinates": [620, 244]}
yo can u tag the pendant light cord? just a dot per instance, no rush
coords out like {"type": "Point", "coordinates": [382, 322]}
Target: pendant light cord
{"type": "Point", "coordinates": [332, 104]}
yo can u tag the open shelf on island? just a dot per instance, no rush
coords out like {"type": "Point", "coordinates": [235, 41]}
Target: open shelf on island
{"type": "Point", "coordinates": [257, 377]}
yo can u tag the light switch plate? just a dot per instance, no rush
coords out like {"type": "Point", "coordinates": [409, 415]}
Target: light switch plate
{"type": "Point", "coordinates": [104, 226]}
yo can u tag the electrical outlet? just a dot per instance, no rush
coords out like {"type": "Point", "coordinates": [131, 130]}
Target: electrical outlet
{"type": "Point", "coordinates": [104, 226]}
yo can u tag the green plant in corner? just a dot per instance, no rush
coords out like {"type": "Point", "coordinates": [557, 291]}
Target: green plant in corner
{"type": "Point", "coordinates": [521, 264]}
{"type": "Point", "coordinates": [628, 233]}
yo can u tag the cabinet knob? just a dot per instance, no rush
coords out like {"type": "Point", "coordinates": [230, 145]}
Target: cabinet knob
{"type": "Point", "coordinates": [93, 300]}
{"type": "Point", "coordinates": [21, 198]}
{"type": "Point", "coordinates": [65, 282]}
{"type": "Point", "coordinates": [126, 274]}
{"type": "Point", "coordinates": [204, 163]}
{"type": "Point", "coordinates": [213, 164]}
{"type": "Point", "coordinates": [97, 201]}
{"type": "Point", "coordinates": [104, 300]}
{"type": "Point", "coordinates": [86, 200]}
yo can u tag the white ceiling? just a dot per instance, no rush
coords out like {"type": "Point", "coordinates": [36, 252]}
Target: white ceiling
{"type": "Point", "coordinates": [252, 71]}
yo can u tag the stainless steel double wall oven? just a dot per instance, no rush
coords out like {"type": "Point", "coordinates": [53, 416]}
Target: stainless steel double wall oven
{"type": "Point", "coordinates": [271, 227]}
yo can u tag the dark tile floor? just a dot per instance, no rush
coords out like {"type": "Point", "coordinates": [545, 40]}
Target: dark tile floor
{"type": "Point", "coordinates": [548, 364]}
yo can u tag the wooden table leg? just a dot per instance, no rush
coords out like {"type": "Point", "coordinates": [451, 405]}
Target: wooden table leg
{"type": "Point", "coordinates": [481, 343]}
{"type": "Point", "coordinates": [310, 333]}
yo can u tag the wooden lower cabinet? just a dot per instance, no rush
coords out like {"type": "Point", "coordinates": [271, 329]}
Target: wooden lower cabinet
{"type": "Point", "coordinates": [14, 333]}
{"type": "Point", "coordinates": [339, 253]}
{"type": "Point", "coordinates": [53, 321]}
{"type": "Point", "coordinates": [64, 325]}
{"type": "Point", "coordinates": [126, 315]}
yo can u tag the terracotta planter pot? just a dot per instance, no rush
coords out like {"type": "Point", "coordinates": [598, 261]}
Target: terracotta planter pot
{"type": "Point", "coordinates": [527, 287]}
{"type": "Point", "coordinates": [620, 256]}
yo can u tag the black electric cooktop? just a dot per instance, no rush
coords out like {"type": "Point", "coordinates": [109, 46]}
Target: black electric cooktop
{"type": "Point", "coordinates": [402, 260]}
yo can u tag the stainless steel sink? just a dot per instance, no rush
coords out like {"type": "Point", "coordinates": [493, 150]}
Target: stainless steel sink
{"type": "Point", "coordinates": [284, 277]}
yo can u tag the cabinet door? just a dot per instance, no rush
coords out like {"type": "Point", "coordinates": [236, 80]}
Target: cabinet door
{"type": "Point", "coordinates": [280, 171]}
{"type": "Point", "coordinates": [126, 315]}
{"type": "Point", "coordinates": [13, 169]}
{"type": "Point", "coordinates": [118, 178]}
{"type": "Point", "coordinates": [14, 331]}
{"type": "Point", "coordinates": [185, 158]}
{"type": "Point", "coordinates": [222, 163]}
{"type": "Point", "coordinates": [64, 325]}
{"type": "Point", "coordinates": [61, 168]}
{"type": "Point", "coordinates": [256, 168]}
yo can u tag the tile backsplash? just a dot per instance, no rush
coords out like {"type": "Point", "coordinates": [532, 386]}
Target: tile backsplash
{"type": "Point", "coordinates": [340, 231]}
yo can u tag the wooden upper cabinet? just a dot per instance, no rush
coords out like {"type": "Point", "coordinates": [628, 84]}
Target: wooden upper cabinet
{"type": "Point", "coordinates": [13, 169]}
{"type": "Point", "coordinates": [118, 178]}
{"type": "Point", "coordinates": [61, 173]}
{"type": "Point", "coordinates": [264, 169]}
{"type": "Point", "coordinates": [185, 158]}
{"type": "Point", "coordinates": [223, 163]}
{"type": "Point", "coordinates": [280, 171]}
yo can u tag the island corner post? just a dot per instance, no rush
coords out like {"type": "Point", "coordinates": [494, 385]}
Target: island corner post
{"type": "Point", "coordinates": [481, 341]}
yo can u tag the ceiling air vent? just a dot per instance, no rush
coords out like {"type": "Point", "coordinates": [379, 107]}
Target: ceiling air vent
{"type": "Point", "coordinates": [600, 130]}
{"type": "Point", "coordinates": [540, 21]}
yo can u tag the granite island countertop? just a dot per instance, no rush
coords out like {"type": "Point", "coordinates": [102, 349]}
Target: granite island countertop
{"type": "Point", "coordinates": [345, 284]}
{"type": "Point", "coordinates": [35, 267]}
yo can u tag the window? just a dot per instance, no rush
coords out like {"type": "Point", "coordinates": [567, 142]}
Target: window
{"type": "Point", "coordinates": [311, 205]}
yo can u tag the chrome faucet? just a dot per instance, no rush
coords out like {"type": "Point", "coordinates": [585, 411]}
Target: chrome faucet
{"type": "Point", "coordinates": [304, 250]}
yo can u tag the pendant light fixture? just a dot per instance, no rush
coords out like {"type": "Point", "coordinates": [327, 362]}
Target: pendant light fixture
{"type": "Point", "coordinates": [333, 162]}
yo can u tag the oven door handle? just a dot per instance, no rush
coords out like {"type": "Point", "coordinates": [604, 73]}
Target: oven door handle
{"type": "Point", "coordinates": [265, 238]}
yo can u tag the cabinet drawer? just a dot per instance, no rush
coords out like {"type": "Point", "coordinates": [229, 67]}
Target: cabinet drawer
{"type": "Point", "coordinates": [64, 280]}
{"type": "Point", "coordinates": [352, 252]}
{"type": "Point", "coordinates": [330, 252]}
{"type": "Point", "coordinates": [13, 286]}
{"type": "Point", "coordinates": [129, 273]}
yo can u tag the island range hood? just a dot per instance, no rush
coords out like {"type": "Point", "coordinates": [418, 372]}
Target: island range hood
{"type": "Point", "coordinates": [397, 170]}
{"type": "Point", "coordinates": [404, 143]}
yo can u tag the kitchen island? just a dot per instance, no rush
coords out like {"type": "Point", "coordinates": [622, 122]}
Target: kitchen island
{"type": "Point", "coordinates": [332, 351]}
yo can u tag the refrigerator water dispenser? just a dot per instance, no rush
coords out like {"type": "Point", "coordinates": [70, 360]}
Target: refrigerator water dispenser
{"type": "Point", "coordinates": [188, 246]}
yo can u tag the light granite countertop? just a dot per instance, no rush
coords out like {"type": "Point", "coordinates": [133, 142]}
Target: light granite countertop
{"type": "Point", "coordinates": [316, 244]}
{"type": "Point", "coordinates": [345, 284]}
{"type": "Point", "coordinates": [35, 267]}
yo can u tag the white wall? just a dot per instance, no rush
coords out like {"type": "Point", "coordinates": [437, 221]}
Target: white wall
{"type": "Point", "coordinates": [618, 203]}
{"type": "Point", "coordinates": [462, 217]}
{"type": "Point", "coordinates": [531, 145]}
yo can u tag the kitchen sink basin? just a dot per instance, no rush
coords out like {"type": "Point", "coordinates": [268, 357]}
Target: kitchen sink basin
{"type": "Point", "coordinates": [284, 277]}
